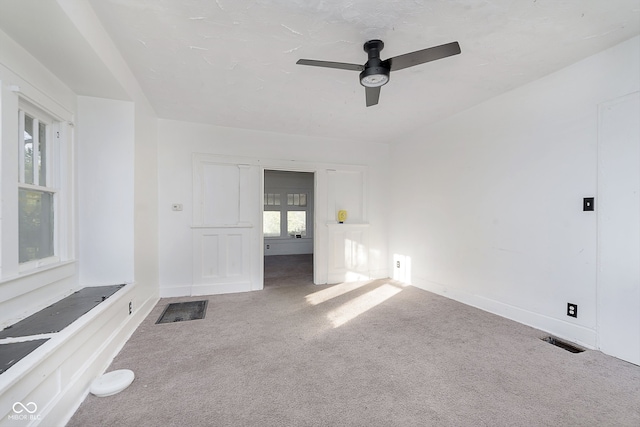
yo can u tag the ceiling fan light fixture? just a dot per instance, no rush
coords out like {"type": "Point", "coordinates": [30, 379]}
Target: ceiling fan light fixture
{"type": "Point", "coordinates": [375, 72]}
{"type": "Point", "coordinates": [374, 77]}
{"type": "Point", "coordinates": [374, 80]}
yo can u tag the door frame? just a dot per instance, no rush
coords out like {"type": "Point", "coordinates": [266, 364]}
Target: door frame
{"type": "Point", "coordinates": [313, 171]}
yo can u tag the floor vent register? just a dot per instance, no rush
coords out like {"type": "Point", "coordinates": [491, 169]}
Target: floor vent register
{"type": "Point", "coordinates": [182, 311]}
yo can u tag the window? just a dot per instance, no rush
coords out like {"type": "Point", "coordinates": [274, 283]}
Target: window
{"type": "Point", "coordinates": [36, 193]}
{"type": "Point", "coordinates": [271, 224]}
{"type": "Point", "coordinates": [297, 223]}
{"type": "Point", "coordinates": [297, 199]}
{"type": "Point", "coordinates": [35, 226]}
{"type": "Point", "coordinates": [285, 214]}
{"type": "Point", "coordinates": [272, 199]}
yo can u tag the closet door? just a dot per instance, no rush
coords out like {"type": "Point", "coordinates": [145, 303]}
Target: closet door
{"type": "Point", "coordinates": [618, 210]}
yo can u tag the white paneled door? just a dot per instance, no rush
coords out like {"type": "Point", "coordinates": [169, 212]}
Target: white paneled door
{"type": "Point", "coordinates": [618, 210]}
{"type": "Point", "coordinates": [226, 226]}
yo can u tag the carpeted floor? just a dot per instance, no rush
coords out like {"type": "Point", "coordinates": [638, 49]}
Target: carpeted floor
{"type": "Point", "coordinates": [364, 354]}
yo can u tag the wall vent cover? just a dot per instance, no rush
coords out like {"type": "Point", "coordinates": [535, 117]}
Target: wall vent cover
{"type": "Point", "coordinates": [563, 344]}
{"type": "Point", "coordinates": [182, 311]}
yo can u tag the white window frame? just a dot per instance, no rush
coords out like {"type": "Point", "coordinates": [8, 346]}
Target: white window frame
{"type": "Point", "coordinates": [284, 207]}
{"type": "Point", "coordinates": [53, 168]}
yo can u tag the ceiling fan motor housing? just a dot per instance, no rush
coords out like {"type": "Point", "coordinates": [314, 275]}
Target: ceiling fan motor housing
{"type": "Point", "coordinates": [375, 72]}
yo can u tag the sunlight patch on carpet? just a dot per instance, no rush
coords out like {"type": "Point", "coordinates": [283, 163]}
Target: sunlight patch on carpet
{"type": "Point", "coordinates": [355, 307]}
{"type": "Point", "coordinates": [333, 292]}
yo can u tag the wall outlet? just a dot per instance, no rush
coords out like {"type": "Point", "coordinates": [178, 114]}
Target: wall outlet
{"type": "Point", "coordinates": [130, 307]}
{"type": "Point", "coordinates": [397, 264]}
{"type": "Point", "coordinates": [572, 310]}
{"type": "Point", "coordinates": [176, 206]}
{"type": "Point", "coordinates": [268, 246]}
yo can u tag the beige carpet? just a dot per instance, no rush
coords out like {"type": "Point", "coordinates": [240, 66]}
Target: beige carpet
{"type": "Point", "coordinates": [367, 354]}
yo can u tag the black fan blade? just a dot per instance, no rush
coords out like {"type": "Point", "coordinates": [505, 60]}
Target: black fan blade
{"type": "Point", "coordinates": [328, 64]}
{"type": "Point", "coordinates": [373, 94]}
{"type": "Point", "coordinates": [421, 56]}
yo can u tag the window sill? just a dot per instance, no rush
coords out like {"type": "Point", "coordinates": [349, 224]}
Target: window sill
{"type": "Point", "coordinates": [286, 239]}
{"type": "Point", "coordinates": [37, 270]}
{"type": "Point", "coordinates": [38, 264]}
{"type": "Point", "coordinates": [348, 224]}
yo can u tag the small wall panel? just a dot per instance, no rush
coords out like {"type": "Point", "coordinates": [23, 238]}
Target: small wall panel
{"type": "Point", "coordinates": [348, 252]}
{"type": "Point", "coordinates": [234, 255]}
{"type": "Point", "coordinates": [337, 258]}
{"type": "Point", "coordinates": [355, 257]}
{"type": "Point", "coordinates": [347, 192]}
{"type": "Point", "coordinates": [210, 244]}
{"type": "Point", "coordinates": [221, 194]}
{"type": "Point", "coordinates": [222, 260]}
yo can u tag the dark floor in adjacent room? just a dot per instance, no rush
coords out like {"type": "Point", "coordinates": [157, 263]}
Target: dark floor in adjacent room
{"type": "Point", "coordinates": [288, 270]}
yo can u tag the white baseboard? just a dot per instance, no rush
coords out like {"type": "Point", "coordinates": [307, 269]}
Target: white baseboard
{"type": "Point", "coordinates": [382, 273]}
{"type": "Point", "coordinates": [175, 291]}
{"type": "Point", "coordinates": [220, 288]}
{"type": "Point", "coordinates": [571, 332]}
{"type": "Point", "coordinates": [204, 289]}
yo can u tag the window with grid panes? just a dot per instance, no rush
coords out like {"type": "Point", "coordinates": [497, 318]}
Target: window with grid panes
{"type": "Point", "coordinates": [285, 214]}
{"type": "Point", "coordinates": [36, 192]}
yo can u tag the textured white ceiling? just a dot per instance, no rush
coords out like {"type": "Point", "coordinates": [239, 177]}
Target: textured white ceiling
{"type": "Point", "coordinates": [232, 62]}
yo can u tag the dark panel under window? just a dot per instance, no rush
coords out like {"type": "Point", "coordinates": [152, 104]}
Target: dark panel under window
{"type": "Point", "coordinates": [58, 316]}
{"type": "Point", "coordinates": [10, 354]}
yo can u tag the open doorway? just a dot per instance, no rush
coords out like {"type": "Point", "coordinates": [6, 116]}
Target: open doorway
{"type": "Point", "coordinates": [288, 230]}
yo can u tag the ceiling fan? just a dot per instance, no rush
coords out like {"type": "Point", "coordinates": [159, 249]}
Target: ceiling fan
{"type": "Point", "coordinates": [375, 72]}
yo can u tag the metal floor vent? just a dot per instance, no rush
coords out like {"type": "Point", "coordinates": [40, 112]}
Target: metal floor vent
{"type": "Point", "coordinates": [562, 344]}
{"type": "Point", "coordinates": [181, 311]}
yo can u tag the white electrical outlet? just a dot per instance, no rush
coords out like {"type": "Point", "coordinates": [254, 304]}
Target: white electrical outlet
{"type": "Point", "coordinates": [176, 206]}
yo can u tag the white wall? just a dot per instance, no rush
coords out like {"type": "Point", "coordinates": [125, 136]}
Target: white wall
{"type": "Point", "coordinates": [179, 140]}
{"type": "Point", "coordinates": [117, 194]}
{"type": "Point", "coordinates": [146, 202]}
{"type": "Point", "coordinates": [487, 204]}
{"type": "Point", "coordinates": [105, 160]}
{"type": "Point", "coordinates": [143, 178]}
